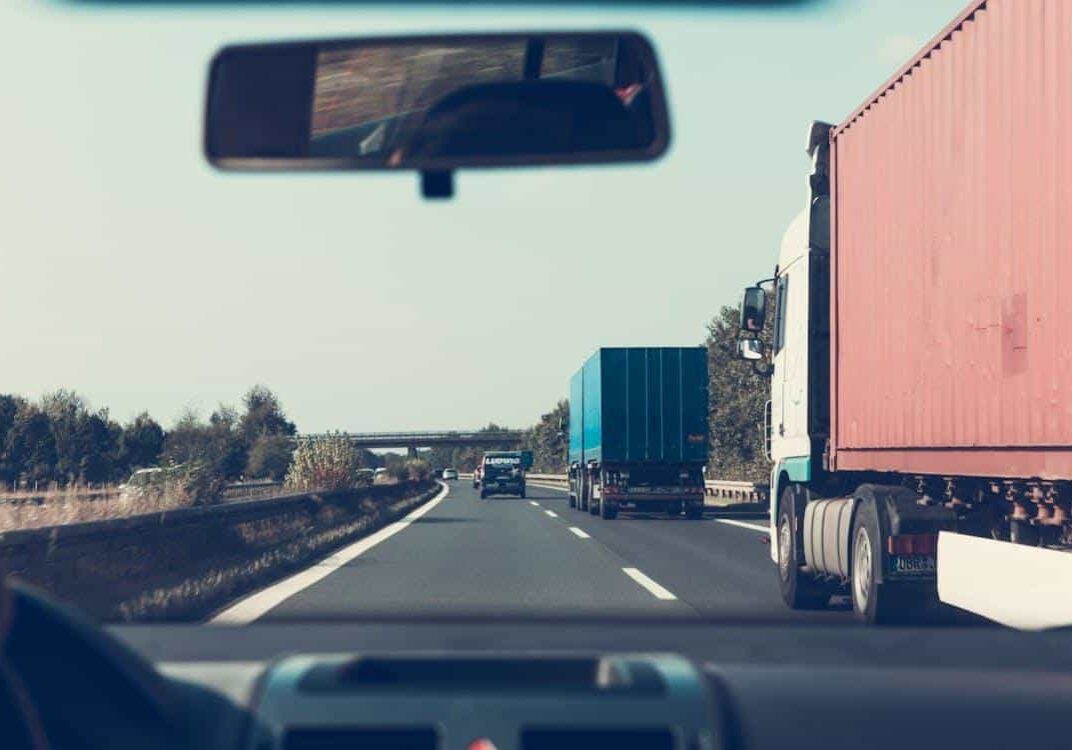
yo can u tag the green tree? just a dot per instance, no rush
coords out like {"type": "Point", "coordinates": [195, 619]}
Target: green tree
{"type": "Point", "coordinates": [228, 442]}
{"type": "Point", "coordinates": [217, 445]}
{"type": "Point", "coordinates": [9, 409]}
{"type": "Point", "coordinates": [141, 443]}
{"type": "Point", "coordinates": [439, 456]}
{"type": "Point", "coordinates": [270, 457]}
{"type": "Point", "coordinates": [548, 440]}
{"type": "Point", "coordinates": [264, 415]}
{"type": "Point", "coordinates": [98, 448]}
{"type": "Point", "coordinates": [67, 413]}
{"type": "Point", "coordinates": [30, 447]}
{"type": "Point", "coordinates": [737, 397]}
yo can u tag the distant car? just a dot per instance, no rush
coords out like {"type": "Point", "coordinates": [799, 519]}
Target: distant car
{"type": "Point", "coordinates": [450, 473]}
{"type": "Point", "coordinates": [147, 482]}
{"type": "Point", "coordinates": [365, 475]}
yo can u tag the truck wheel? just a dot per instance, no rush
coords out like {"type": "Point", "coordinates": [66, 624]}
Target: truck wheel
{"type": "Point", "coordinates": [694, 514]}
{"type": "Point", "coordinates": [799, 589]}
{"type": "Point", "coordinates": [572, 501]}
{"type": "Point", "coordinates": [1022, 532]}
{"type": "Point", "coordinates": [872, 602]}
{"type": "Point", "coordinates": [593, 505]}
{"type": "Point", "coordinates": [483, 495]}
{"type": "Point", "coordinates": [522, 493]}
{"type": "Point", "coordinates": [674, 509]}
{"type": "Point", "coordinates": [607, 510]}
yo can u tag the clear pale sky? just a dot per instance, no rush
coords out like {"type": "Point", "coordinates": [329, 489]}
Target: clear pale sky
{"type": "Point", "coordinates": [137, 275]}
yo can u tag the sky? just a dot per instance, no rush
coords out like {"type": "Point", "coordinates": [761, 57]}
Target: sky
{"type": "Point", "coordinates": [134, 273]}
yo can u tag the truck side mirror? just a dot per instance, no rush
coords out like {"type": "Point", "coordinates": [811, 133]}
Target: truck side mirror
{"type": "Point", "coordinates": [750, 349]}
{"type": "Point", "coordinates": [753, 310]}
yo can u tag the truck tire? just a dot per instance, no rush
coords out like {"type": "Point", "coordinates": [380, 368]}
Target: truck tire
{"type": "Point", "coordinates": [608, 511]}
{"type": "Point", "coordinates": [799, 589]}
{"type": "Point", "coordinates": [694, 514]}
{"type": "Point", "coordinates": [522, 493]}
{"type": "Point", "coordinates": [483, 495]}
{"type": "Point", "coordinates": [1022, 532]}
{"type": "Point", "coordinates": [593, 505]}
{"type": "Point", "coordinates": [872, 602]}
{"type": "Point", "coordinates": [674, 508]}
{"type": "Point", "coordinates": [572, 500]}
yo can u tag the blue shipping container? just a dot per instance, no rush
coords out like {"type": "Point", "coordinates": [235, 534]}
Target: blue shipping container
{"type": "Point", "coordinates": [631, 405]}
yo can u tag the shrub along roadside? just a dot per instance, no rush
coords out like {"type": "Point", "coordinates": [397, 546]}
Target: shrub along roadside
{"type": "Point", "coordinates": [329, 463]}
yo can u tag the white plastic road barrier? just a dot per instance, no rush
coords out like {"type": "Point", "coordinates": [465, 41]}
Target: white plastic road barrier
{"type": "Point", "coordinates": [1013, 584]}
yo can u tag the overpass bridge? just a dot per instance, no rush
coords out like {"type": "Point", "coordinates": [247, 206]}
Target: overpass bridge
{"type": "Point", "coordinates": [412, 441]}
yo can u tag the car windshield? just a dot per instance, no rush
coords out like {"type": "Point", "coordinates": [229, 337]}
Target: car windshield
{"type": "Point", "coordinates": [270, 370]}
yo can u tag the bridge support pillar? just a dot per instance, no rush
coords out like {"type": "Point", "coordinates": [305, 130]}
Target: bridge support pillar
{"type": "Point", "coordinates": [411, 451]}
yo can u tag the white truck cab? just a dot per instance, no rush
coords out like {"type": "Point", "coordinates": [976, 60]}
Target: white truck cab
{"type": "Point", "coordinates": [797, 295]}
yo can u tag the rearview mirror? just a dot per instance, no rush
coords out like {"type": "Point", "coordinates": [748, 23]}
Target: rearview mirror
{"type": "Point", "coordinates": [436, 104]}
{"type": "Point", "coordinates": [753, 309]}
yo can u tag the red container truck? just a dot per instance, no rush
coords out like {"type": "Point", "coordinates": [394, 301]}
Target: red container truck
{"type": "Point", "coordinates": [920, 371]}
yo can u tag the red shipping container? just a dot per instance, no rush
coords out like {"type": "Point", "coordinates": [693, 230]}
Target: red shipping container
{"type": "Point", "coordinates": [952, 255]}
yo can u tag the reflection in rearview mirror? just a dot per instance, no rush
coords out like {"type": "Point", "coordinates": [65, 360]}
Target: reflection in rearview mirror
{"type": "Point", "coordinates": [750, 349]}
{"type": "Point", "coordinates": [436, 103]}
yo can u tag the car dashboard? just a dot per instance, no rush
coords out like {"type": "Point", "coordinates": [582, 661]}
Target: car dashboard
{"type": "Point", "coordinates": [430, 685]}
{"type": "Point", "coordinates": [433, 701]}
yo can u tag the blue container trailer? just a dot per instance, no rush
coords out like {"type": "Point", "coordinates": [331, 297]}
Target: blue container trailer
{"type": "Point", "coordinates": [638, 431]}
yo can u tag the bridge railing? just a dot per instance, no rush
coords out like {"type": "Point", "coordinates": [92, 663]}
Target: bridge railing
{"type": "Point", "coordinates": [418, 437]}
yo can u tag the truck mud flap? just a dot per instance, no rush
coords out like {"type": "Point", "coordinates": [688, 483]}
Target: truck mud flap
{"type": "Point", "coordinates": [901, 514]}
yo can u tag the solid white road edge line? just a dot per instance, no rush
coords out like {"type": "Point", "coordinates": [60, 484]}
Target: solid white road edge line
{"type": "Point", "coordinates": [763, 529]}
{"type": "Point", "coordinates": [653, 588]}
{"type": "Point", "coordinates": [551, 513]}
{"type": "Point", "coordinates": [580, 532]}
{"type": "Point", "coordinates": [257, 604]}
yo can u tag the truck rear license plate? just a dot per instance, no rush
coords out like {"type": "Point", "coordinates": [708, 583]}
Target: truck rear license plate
{"type": "Point", "coordinates": [914, 565]}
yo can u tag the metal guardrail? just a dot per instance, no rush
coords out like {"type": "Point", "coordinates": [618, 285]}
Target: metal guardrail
{"type": "Point", "coordinates": [233, 490]}
{"type": "Point", "coordinates": [744, 492]}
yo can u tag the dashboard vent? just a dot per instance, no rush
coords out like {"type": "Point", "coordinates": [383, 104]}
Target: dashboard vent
{"type": "Point", "coordinates": [565, 738]}
{"type": "Point", "coordinates": [382, 738]}
{"type": "Point", "coordinates": [486, 675]}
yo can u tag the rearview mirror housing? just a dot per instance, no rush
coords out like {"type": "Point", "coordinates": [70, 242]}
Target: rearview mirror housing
{"type": "Point", "coordinates": [753, 309]}
{"type": "Point", "coordinates": [435, 104]}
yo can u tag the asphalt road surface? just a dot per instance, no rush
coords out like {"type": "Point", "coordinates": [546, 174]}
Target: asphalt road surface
{"type": "Point", "coordinates": [537, 556]}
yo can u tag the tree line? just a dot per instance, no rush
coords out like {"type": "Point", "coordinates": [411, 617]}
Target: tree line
{"type": "Point", "coordinates": [61, 440]}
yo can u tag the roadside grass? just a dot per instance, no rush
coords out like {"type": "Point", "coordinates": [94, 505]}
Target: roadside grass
{"type": "Point", "coordinates": [31, 510]}
{"type": "Point", "coordinates": [275, 548]}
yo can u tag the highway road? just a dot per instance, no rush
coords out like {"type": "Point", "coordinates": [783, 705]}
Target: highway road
{"type": "Point", "coordinates": [462, 555]}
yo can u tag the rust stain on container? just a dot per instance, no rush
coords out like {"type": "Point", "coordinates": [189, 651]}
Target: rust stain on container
{"type": "Point", "coordinates": [952, 245]}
